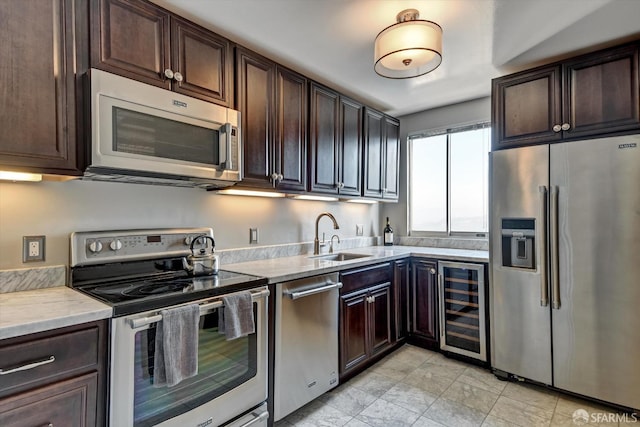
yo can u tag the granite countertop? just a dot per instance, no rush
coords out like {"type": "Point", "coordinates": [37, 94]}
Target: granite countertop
{"type": "Point", "coordinates": [28, 312]}
{"type": "Point", "coordinates": [278, 270]}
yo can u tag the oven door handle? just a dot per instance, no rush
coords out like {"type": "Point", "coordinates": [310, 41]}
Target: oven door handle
{"type": "Point", "coordinates": [204, 309]}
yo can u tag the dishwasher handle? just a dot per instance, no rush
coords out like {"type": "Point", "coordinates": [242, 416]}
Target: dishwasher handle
{"type": "Point", "coordinates": [293, 294]}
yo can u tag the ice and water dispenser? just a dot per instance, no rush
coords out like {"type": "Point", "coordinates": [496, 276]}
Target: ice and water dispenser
{"type": "Point", "coordinates": [518, 242]}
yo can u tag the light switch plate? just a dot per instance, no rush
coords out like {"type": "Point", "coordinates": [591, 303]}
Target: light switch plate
{"type": "Point", "coordinates": [253, 235]}
{"type": "Point", "coordinates": [33, 248]}
{"type": "Point", "coordinates": [359, 228]}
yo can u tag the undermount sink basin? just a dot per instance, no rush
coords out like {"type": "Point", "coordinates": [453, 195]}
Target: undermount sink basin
{"type": "Point", "coordinates": [343, 256]}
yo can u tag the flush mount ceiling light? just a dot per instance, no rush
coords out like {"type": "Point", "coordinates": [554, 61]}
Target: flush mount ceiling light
{"type": "Point", "coordinates": [410, 48]}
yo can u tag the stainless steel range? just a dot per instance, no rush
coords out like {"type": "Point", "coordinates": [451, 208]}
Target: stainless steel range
{"type": "Point", "coordinates": [142, 272]}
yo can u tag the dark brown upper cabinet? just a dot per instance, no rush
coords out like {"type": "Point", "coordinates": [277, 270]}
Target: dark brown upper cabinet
{"type": "Point", "coordinates": [335, 160]}
{"type": "Point", "coordinates": [381, 155]}
{"type": "Point", "coordinates": [584, 97]}
{"type": "Point", "coordinates": [273, 106]}
{"type": "Point", "coordinates": [39, 119]}
{"type": "Point", "coordinates": [142, 41]}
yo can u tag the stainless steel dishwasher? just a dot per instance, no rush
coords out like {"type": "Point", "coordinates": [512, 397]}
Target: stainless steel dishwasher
{"type": "Point", "coordinates": [306, 341]}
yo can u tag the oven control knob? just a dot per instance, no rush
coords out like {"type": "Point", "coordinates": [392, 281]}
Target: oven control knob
{"type": "Point", "coordinates": [115, 245]}
{"type": "Point", "coordinates": [188, 240]}
{"type": "Point", "coordinates": [95, 246]}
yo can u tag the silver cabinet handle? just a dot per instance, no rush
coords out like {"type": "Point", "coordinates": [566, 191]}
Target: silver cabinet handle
{"type": "Point", "coordinates": [28, 366]}
{"type": "Point", "coordinates": [178, 76]}
{"type": "Point", "coordinates": [542, 234]}
{"type": "Point", "coordinates": [301, 294]}
{"type": "Point", "coordinates": [227, 164]}
{"type": "Point", "coordinates": [566, 126]}
{"type": "Point", "coordinates": [442, 306]}
{"type": "Point", "coordinates": [555, 275]}
{"type": "Point", "coordinates": [557, 128]}
{"type": "Point", "coordinates": [168, 73]}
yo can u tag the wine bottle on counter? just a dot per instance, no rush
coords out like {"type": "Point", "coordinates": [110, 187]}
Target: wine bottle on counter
{"type": "Point", "coordinates": [388, 234]}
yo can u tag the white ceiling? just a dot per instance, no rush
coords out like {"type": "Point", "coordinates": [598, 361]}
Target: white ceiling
{"type": "Point", "coordinates": [332, 40]}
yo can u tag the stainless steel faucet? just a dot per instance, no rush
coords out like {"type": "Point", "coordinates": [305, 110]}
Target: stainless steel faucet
{"type": "Point", "coordinates": [316, 242]}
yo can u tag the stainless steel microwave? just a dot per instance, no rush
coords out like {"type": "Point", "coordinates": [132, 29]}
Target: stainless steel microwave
{"type": "Point", "coordinates": [145, 134]}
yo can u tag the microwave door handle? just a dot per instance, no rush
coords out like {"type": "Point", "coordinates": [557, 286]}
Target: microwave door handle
{"type": "Point", "coordinates": [227, 144]}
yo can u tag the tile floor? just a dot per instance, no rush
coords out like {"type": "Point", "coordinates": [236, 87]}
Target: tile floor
{"type": "Point", "coordinates": [421, 388]}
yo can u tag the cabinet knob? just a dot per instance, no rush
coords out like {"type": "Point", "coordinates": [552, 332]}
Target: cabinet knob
{"type": "Point", "coordinates": [178, 76]}
{"type": "Point", "coordinates": [168, 73]}
{"type": "Point", "coordinates": [280, 177]}
{"type": "Point", "coordinates": [557, 128]}
{"type": "Point", "coordinates": [432, 270]}
{"type": "Point", "coordinates": [566, 126]}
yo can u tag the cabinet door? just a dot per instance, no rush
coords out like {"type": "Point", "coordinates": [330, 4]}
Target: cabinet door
{"type": "Point", "coordinates": [380, 315]}
{"type": "Point", "coordinates": [204, 60]}
{"type": "Point", "coordinates": [526, 107]}
{"type": "Point", "coordinates": [374, 151]}
{"type": "Point", "coordinates": [401, 298]}
{"type": "Point", "coordinates": [324, 139]}
{"type": "Point", "coordinates": [131, 38]}
{"type": "Point", "coordinates": [38, 104]}
{"type": "Point", "coordinates": [256, 102]}
{"type": "Point", "coordinates": [353, 330]}
{"type": "Point", "coordinates": [350, 173]}
{"type": "Point", "coordinates": [391, 163]}
{"type": "Point", "coordinates": [424, 308]}
{"type": "Point", "coordinates": [69, 403]}
{"type": "Point", "coordinates": [601, 93]}
{"type": "Point", "coordinates": [291, 130]}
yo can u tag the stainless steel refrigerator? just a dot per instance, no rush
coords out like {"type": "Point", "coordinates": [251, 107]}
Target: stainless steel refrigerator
{"type": "Point", "coordinates": [565, 266]}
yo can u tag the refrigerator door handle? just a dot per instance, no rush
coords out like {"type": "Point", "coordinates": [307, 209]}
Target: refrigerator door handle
{"type": "Point", "coordinates": [542, 233]}
{"type": "Point", "coordinates": [555, 275]}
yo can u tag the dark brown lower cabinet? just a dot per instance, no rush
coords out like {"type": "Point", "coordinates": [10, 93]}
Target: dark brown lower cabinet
{"type": "Point", "coordinates": [366, 317]}
{"type": "Point", "coordinates": [401, 283]}
{"type": "Point", "coordinates": [68, 403]}
{"type": "Point", "coordinates": [55, 378]}
{"type": "Point", "coordinates": [423, 304]}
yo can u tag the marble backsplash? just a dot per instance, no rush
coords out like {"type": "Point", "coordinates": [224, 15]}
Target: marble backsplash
{"type": "Point", "coordinates": [444, 242]}
{"type": "Point", "coordinates": [47, 277]}
{"type": "Point", "coordinates": [232, 256]}
{"type": "Point", "coordinates": [25, 279]}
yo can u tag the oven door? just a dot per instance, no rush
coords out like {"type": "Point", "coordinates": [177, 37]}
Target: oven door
{"type": "Point", "coordinates": [231, 379]}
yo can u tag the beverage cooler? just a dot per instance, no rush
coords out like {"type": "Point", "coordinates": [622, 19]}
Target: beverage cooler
{"type": "Point", "coordinates": [461, 292]}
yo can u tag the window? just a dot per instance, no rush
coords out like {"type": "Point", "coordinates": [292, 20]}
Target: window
{"type": "Point", "coordinates": [448, 182]}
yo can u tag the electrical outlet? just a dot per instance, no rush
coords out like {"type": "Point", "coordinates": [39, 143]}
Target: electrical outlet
{"type": "Point", "coordinates": [359, 228]}
{"type": "Point", "coordinates": [33, 248]}
{"type": "Point", "coordinates": [253, 235]}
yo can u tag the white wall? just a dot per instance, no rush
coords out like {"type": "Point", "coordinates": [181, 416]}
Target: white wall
{"type": "Point", "coordinates": [475, 111]}
{"type": "Point", "coordinates": [55, 209]}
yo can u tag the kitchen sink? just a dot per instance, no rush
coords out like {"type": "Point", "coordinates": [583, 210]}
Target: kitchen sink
{"type": "Point", "coordinates": [342, 256]}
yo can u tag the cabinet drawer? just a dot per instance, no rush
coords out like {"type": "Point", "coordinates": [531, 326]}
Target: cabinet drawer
{"type": "Point", "coordinates": [68, 403]}
{"type": "Point", "coordinates": [72, 352]}
{"type": "Point", "coordinates": [365, 277]}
